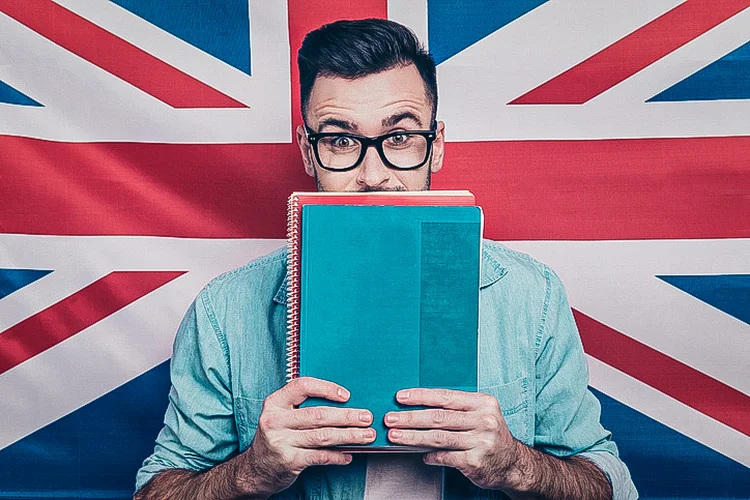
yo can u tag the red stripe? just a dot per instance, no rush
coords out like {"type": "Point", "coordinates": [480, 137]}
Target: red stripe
{"type": "Point", "coordinates": [579, 190]}
{"type": "Point", "coordinates": [115, 55]}
{"type": "Point", "coordinates": [606, 189]}
{"type": "Point", "coordinates": [634, 52]}
{"type": "Point", "coordinates": [675, 379]}
{"type": "Point", "coordinates": [73, 314]}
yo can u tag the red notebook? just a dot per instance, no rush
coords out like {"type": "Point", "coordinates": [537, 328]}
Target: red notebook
{"type": "Point", "coordinates": [294, 225]}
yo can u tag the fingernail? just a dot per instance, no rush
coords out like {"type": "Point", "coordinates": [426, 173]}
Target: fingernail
{"type": "Point", "coordinates": [348, 459]}
{"type": "Point", "coordinates": [402, 395]}
{"type": "Point", "coordinates": [369, 433]}
{"type": "Point", "coordinates": [343, 393]}
{"type": "Point", "coordinates": [395, 433]}
{"type": "Point", "coordinates": [364, 416]}
{"type": "Point", "coordinates": [391, 418]}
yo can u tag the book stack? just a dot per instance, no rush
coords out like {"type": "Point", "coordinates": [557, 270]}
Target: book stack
{"type": "Point", "coordinates": [383, 294]}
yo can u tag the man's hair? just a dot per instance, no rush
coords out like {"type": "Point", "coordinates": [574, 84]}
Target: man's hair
{"type": "Point", "coordinates": [353, 49]}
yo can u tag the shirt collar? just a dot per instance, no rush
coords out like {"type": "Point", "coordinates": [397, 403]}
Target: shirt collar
{"type": "Point", "coordinates": [280, 296]}
{"type": "Point", "coordinates": [492, 271]}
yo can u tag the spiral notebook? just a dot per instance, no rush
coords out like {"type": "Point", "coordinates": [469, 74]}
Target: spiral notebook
{"type": "Point", "coordinates": [383, 295]}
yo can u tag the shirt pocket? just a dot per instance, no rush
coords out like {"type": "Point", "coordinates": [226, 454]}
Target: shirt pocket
{"type": "Point", "coordinates": [514, 404]}
{"type": "Point", "coordinates": [247, 413]}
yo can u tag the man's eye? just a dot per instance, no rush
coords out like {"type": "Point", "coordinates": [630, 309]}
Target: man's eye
{"type": "Point", "coordinates": [399, 140]}
{"type": "Point", "coordinates": [342, 142]}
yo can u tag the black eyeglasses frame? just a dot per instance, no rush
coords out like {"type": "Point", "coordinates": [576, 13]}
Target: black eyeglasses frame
{"type": "Point", "coordinates": [376, 142]}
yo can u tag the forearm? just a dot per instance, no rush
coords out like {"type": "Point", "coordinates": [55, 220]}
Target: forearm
{"type": "Point", "coordinates": [220, 482]}
{"type": "Point", "coordinates": [539, 475]}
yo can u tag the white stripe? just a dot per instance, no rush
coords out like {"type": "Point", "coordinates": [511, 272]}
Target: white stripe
{"type": "Point", "coordinates": [615, 283]}
{"type": "Point", "coordinates": [411, 13]}
{"type": "Point", "coordinates": [476, 84]}
{"type": "Point", "coordinates": [122, 346]}
{"type": "Point", "coordinates": [85, 103]}
{"type": "Point", "coordinates": [78, 93]}
{"type": "Point", "coordinates": [669, 412]}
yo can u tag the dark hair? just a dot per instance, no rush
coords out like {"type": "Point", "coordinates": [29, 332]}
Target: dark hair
{"type": "Point", "coordinates": [353, 49]}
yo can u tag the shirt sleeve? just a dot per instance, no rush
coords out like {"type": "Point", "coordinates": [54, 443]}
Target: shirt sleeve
{"type": "Point", "coordinates": [567, 413]}
{"type": "Point", "coordinates": [199, 426]}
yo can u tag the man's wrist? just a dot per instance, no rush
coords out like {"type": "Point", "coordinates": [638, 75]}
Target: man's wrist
{"type": "Point", "coordinates": [243, 480]}
{"type": "Point", "coordinates": [533, 474]}
{"type": "Point", "coordinates": [220, 482]}
{"type": "Point", "coordinates": [518, 475]}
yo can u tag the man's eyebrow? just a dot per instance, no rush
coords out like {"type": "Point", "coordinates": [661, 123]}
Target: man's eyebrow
{"type": "Point", "coordinates": [395, 119]}
{"type": "Point", "coordinates": [336, 122]}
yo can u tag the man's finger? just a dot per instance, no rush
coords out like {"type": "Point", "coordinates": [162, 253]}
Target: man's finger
{"type": "Point", "coordinates": [299, 389]}
{"type": "Point", "coordinates": [325, 437]}
{"type": "Point", "coordinates": [325, 457]}
{"type": "Point", "coordinates": [436, 418]}
{"type": "Point", "coordinates": [439, 439]}
{"type": "Point", "coordinates": [455, 459]}
{"type": "Point", "coordinates": [443, 398]}
{"type": "Point", "coordinates": [326, 416]}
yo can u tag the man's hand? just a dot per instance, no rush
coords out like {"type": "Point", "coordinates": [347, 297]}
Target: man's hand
{"type": "Point", "coordinates": [289, 439]}
{"type": "Point", "coordinates": [468, 431]}
{"type": "Point", "coordinates": [467, 427]}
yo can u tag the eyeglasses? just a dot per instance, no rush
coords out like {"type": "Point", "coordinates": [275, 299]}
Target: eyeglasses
{"type": "Point", "coordinates": [400, 150]}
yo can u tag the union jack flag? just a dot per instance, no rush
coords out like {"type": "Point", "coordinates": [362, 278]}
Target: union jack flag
{"type": "Point", "coordinates": [146, 147]}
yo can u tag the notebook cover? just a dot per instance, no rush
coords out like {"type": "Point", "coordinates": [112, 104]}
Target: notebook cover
{"type": "Point", "coordinates": [294, 224]}
{"type": "Point", "coordinates": [389, 299]}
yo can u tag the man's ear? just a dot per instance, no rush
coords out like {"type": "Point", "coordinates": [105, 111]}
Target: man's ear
{"type": "Point", "coordinates": [305, 149]}
{"type": "Point", "coordinates": [438, 148]}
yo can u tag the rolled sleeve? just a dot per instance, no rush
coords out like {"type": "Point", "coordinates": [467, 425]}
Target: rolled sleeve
{"type": "Point", "coordinates": [567, 420]}
{"type": "Point", "coordinates": [617, 473]}
{"type": "Point", "coordinates": [199, 426]}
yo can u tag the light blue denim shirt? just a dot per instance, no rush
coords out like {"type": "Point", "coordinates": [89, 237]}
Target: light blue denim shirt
{"type": "Point", "coordinates": [229, 354]}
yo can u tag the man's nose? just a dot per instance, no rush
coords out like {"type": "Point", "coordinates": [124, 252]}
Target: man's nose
{"type": "Point", "coordinates": [372, 172]}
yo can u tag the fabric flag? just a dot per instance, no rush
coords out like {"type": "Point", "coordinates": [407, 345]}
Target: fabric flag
{"type": "Point", "coordinates": [146, 147]}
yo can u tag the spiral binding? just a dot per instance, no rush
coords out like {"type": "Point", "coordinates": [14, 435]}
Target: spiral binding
{"type": "Point", "coordinates": [293, 272]}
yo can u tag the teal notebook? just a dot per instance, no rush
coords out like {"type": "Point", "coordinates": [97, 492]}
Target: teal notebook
{"type": "Point", "coordinates": [389, 299]}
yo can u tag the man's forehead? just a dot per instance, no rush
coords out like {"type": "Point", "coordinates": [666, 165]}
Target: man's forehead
{"type": "Point", "coordinates": [384, 98]}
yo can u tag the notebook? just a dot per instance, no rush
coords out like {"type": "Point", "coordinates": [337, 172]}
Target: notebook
{"type": "Point", "coordinates": [384, 295]}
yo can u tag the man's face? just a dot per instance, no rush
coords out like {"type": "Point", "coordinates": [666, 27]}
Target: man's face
{"type": "Point", "coordinates": [373, 105]}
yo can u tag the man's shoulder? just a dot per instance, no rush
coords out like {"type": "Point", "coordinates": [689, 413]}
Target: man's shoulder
{"type": "Point", "coordinates": [526, 282]}
{"type": "Point", "coordinates": [263, 275]}
{"type": "Point", "coordinates": [519, 265]}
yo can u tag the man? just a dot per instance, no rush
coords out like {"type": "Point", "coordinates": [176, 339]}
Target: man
{"type": "Point", "coordinates": [233, 429]}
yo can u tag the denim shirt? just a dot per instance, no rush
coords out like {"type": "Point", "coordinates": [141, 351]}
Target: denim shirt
{"type": "Point", "coordinates": [229, 354]}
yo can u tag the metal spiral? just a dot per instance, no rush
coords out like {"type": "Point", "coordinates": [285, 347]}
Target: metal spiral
{"type": "Point", "coordinates": [292, 314]}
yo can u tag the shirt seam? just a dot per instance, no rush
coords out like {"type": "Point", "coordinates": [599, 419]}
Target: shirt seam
{"type": "Point", "coordinates": [545, 310]}
{"type": "Point", "coordinates": [220, 337]}
{"type": "Point", "coordinates": [496, 246]}
{"type": "Point", "coordinates": [263, 261]}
